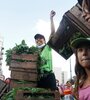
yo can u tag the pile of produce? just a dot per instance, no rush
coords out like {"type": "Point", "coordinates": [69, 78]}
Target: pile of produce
{"type": "Point", "coordinates": [20, 49]}
{"type": "Point", "coordinates": [11, 95]}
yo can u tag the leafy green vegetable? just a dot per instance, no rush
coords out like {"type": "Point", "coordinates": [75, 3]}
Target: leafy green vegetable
{"type": "Point", "coordinates": [20, 49]}
{"type": "Point", "coordinates": [12, 94]}
{"type": "Point", "coordinates": [8, 56]}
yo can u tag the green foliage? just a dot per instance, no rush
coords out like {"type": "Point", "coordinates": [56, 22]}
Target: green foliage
{"type": "Point", "coordinates": [76, 35]}
{"type": "Point", "coordinates": [20, 49]}
{"type": "Point", "coordinates": [12, 94]}
{"type": "Point", "coordinates": [8, 56]}
{"type": "Point", "coordinates": [32, 50]}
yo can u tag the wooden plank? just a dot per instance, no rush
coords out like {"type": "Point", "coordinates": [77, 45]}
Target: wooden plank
{"type": "Point", "coordinates": [30, 57]}
{"type": "Point", "coordinates": [29, 70]}
{"type": "Point", "coordinates": [27, 95]}
{"type": "Point", "coordinates": [75, 16]}
{"type": "Point", "coordinates": [30, 76]}
{"type": "Point", "coordinates": [4, 91]}
{"type": "Point", "coordinates": [16, 84]}
{"type": "Point", "coordinates": [26, 65]}
{"type": "Point", "coordinates": [2, 85]}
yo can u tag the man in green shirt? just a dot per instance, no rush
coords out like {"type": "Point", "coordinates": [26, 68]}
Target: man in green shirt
{"type": "Point", "coordinates": [47, 77]}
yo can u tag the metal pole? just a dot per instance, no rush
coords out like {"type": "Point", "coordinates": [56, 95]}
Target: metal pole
{"type": "Point", "coordinates": [70, 69]}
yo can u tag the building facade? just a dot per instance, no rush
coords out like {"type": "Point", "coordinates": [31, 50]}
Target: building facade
{"type": "Point", "coordinates": [1, 58]}
{"type": "Point", "coordinates": [64, 76]}
{"type": "Point", "coordinates": [61, 76]}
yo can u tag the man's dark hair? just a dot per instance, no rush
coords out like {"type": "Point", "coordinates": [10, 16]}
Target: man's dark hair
{"type": "Point", "coordinates": [37, 36]}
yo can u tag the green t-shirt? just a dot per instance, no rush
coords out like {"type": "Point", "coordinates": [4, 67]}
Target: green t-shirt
{"type": "Point", "coordinates": [46, 59]}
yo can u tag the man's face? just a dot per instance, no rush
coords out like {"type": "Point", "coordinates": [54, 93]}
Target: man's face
{"type": "Point", "coordinates": [83, 54]}
{"type": "Point", "coordinates": [40, 41]}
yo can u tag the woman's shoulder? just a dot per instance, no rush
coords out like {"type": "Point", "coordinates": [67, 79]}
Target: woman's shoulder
{"type": "Point", "coordinates": [84, 93]}
{"type": "Point", "coordinates": [85, 88]}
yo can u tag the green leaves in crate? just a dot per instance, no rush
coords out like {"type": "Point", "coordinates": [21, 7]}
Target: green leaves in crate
{"type": "Point", "coordinates": [20, 49]}
{"type": "Point", "coordinates": [33, 50]}
{"type": "Point", "coordinates": [12, 94]}
{"type": "Point", "coordinates": [8, 56]}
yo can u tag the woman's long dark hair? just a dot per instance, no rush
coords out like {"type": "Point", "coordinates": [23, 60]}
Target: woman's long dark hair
{"type": "Point", "coordinates": [80, 75]}
{"type": "Point", "coordinates": [88, 4]}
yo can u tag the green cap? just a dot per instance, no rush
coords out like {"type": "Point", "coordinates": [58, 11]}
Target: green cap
{"type": "Point", "coordinates": [80, 41]}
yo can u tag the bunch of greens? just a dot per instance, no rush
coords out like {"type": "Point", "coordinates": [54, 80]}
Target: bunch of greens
{"type": "Point", "coordinates": [20, 49]}
{"type": "Point", "coordinates": [11, 95]}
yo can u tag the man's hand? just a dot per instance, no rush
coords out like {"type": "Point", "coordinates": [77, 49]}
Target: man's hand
{"type": "Point", "coordinates": [52, 14]}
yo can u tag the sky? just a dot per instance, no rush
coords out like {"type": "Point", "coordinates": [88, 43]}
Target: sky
{"type": "Point", "coordinates": [22, 19]}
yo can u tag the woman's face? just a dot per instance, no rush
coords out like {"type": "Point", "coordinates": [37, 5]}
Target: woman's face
{"type": "Point", "coordinates": [83, 54]}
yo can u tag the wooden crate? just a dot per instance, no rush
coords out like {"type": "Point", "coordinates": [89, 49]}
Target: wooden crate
{"type": "Point", "coordinates": [3, 88]}
{"type": "Point", "coordinates": [70, 26]}
{"type": "Point", "coordinates": [25, 95]}
{"type": "Point", "coordinates": [28, 57]}
{"type": "Point", "coordinates": [23, 69]}
{"type": "Point", "coordinates": [57, 95]}
{"type": "Point", "coordinates": [2, 85]}
{"type": "Point", "coordinates": [74, 15]}
{"type": "Point", "coordinates": [24, 75]}
{"type": "Point", "coordinates": [17, 83]}
{"type": "Point", "coordinates": [26, 65]}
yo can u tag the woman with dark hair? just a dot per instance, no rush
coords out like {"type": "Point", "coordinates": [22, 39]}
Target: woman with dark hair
{"type": "Point", "coordinates": [82, 68]}
{"type": "Point", "coordinates": [85, 4]}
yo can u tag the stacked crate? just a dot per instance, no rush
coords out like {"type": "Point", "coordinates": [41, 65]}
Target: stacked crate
{"type": "Point", "coordinates": [45, 95]}
{"type": "Point", "coordinates": [25, 95]}
{"type": "Point", "coordinates": [24, 70]}
{"type": "Point", "coordinates": [24, 75]}
{"type": "Point", "coordinates": [72, 26]}
{"type": "Point", "coordinates": [3, 88]}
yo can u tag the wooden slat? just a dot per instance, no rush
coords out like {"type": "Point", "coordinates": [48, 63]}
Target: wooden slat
{"type": "Point", "coordinates": [22, 95]}
{"type": "Point", "coordinates": [30, 57]}
{"type": "Point", "coordinates": [28, 70]}
{"type": "Point", "coordinates": [26, 65]}
{"type": "Point", "coordinates": [75, 17]}
{"type": "Point", "coordinates": [30, 76]}
{"type": "Point", "coordinates": [15, 84]}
